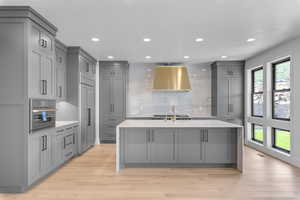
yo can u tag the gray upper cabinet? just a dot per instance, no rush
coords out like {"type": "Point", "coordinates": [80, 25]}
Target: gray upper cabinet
{"type": "Point", "coordinates": [42, 72]}
{"type": "Point", "coordinates": [228, 90]}
{"type": "Point", "coordinates": [113, 82]}
{"type": "Point", "coordinates": [61, 68]}
{"type": "Point", "coordinates": [190, 146]}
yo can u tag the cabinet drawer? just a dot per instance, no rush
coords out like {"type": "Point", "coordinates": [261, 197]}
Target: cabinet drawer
{"type": "Point", "coordinates": [69, 140]}
{"type": "Point", "coordinates": [109, 133]}
{"type": "Point", "coordinates": [112, 120]}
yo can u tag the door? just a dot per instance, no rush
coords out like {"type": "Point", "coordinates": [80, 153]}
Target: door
{"type": "Point", "coordinates": [57, 155]}
{"type": "Point", "coordinates": [34, 158]}
{"type": "Point", "coordinates": [190, 145]}
{"type": "Point", "coordinates": [45, 154]}
{"type": "Point", "coordinates": [83, 116]}
{"type": "Point", "coordinates": [136, 146]}
{"type": "Point", "coordinates": [35, 74]}
{"type": "Point", "coordinates": [117, 96]}
{"type": "Point", "coordinates": [90, 115]}
{"type": "Point", "coordinates": [162, 147]}
{"type": "Point", "coordinates": [218, 145]}
{"type": "Point", "coordinates": [48, 76]}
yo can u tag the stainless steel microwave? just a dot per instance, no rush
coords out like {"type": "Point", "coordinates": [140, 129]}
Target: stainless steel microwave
{"type": "Point", "coordinates": [42, 114]}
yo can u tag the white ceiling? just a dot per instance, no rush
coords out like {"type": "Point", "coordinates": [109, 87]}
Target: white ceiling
{"type": "Point", "coordinates": [172, 25]}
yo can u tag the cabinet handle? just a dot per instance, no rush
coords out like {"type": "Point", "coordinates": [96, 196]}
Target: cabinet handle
{"type": "Point", "coordinates": [148, 136]}
{"type": "Point", "coordinates": [201, 135]}
{"type": "Point", "coordinates": [46, 142]}
{"type": "Point", "coordinates": [64, 142]}
{"type": "Point", "coordinates": [174, 145]}
{"type": "Point", "coordinates": [73, 138]}
{"type": "Point", "coordinates": [89, 116]}
{"type": "Point", "coordinates": [43, 87]}
{"type": "Point", "coordinates": [206, 133]}
{"type": "Point", "coordinates": [59, 131]}
{"type": "Point", "coordinates": [45, 44]}
{"type": "Point", "coordinates": [60, 91]}
{"type": "Point", "coordinates": [229, 91]}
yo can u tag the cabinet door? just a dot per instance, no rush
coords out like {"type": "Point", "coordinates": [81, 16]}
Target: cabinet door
{"type": "Point", "coordinates": [91, 115]}
{"type": "Point", "coordinates": [34, 158]}
{"type": "Point", "coordinates": [190, 145]}
{"type": "Point", "coordinates": [45, 154]}
{"type": "Point", "coordinates": [218, 145]}
{"type": "Point", "coordinates": [162, 148]}
{"type": "Point", "coordinates": [118, 97]}
{"type": "Point", "coordinates": [83, 114]}
{"type": "Point", "coordinates": [57, 150]}
{"type": "Point", "coordinates": [46, 43]}
{"type": "Point", "coordinates": [235, 98]}
{"type": "Point", "coordinates": [106, 96]}
{"type": "Point", "coordinates": [35, 74]}
{"type": "Point", "coordinates": [136, 146]}
{"type": "Point", "coordinates": [61, 75]}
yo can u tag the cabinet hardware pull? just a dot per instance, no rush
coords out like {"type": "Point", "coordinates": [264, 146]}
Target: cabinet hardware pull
{"type": "Point", "coordinates": [45, 44]}
{"type": "Point", "coordinates": [229, 91]}
{"type": "Point", "coordinates": [73, 138]}
{"type": "Point", "coordinates": [46, 143]}
{"type": "Point", "coordinates": [59, 131]}
{"type": "Point", "coordinates": [89, 116]}
{"type": "Point", "coordinates": [44, 87]}
{"type": "Point", "coordinates": [69, 128]}
{"type": "Point", "coordinates": [206, 131]}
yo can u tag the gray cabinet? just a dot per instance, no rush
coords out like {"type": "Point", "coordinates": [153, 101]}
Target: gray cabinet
{"type": "Point", "coordinates": [162, 145]}
{"type": "Point", "coordinates": [61, 65]}
{"type": "Point", "coordinates": [190, 145]}
{"type": "Point", "coordinates": [57, 150]}
{"type": "Point", "coordinates": [228, 90]}
{"type": "Point", "coordinates": [81, 93]}
{"type": "Point", "coordinates": [219, 146]}
{"type": "Point", "coordinates": [42, 72]}
{"type": "Point", "coordinates": [39, 156]}
{"type": "Point", "coordinates": [113, 81]}
{"type": "Point", "coordinates": [136, 149]}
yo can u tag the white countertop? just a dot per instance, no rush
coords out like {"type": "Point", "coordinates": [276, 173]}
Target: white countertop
{"type": "Point", "coordinates": [177, 124]}
{"type": "Point", "coordinates": [64, 123]}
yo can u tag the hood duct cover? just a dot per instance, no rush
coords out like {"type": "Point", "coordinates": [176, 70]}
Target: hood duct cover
{"type": "Point", "coordinates": [171, 78]}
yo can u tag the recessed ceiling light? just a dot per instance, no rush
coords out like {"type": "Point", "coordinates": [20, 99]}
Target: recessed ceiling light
{"type": "Point", "coordinates": [110, 57]}
{"type": "Point", "coordinates": [94, 39]}
{"type": "Point", "coordinates": [223, 57]}
{"type": "Point", "coordinates": [186, 57]}
{"type": "Point", "coordinates": [148, 57]}
{"type": "Point", "coordinates": [251, 39]}
{"type": "Point", "coordinates": [147, 39]}
{"type": "Point", "coordinates": [199, 39]}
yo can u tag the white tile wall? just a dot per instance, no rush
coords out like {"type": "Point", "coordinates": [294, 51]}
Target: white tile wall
{"type": "Point", "coordinates": [142, 101]}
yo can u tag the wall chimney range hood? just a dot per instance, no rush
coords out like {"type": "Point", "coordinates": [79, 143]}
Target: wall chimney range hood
{"type": "Point", "coordinates": [171, 78]}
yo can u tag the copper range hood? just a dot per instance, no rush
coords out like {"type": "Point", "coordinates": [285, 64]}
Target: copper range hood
{"type": "Point", "coordinates": [171, 78]}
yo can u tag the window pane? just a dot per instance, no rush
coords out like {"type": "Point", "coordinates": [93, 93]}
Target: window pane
{"type": "Point", "coordinates": [258, 80]}
{"type": "Point", "coordinates": [258, 100]}
{"type": "Point", "coordinates": [282, 139]}
{"type": "Point", "coordinates": [282, 75]}
{"type": "Point", "coordinates": [258, 133]}
{"type": "Point", "coordinates": [281, 105]}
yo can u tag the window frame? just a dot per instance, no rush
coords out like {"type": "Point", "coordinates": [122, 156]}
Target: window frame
{"type": "Point", "coordinates": [253, 132]}
{"type": "Point", "coordinates": [274, 87]}
{"type": "Point", "coordinates": [274, 140]}
{"type": "Point", "coordinates": [253, 91]}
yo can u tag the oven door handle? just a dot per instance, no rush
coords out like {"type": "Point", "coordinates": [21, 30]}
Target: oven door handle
{"type": "Point", "coordinates": [44, 110]}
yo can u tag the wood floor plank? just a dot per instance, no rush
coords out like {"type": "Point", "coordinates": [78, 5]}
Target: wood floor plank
{"type": "Point", "coordinates": [92, 176]}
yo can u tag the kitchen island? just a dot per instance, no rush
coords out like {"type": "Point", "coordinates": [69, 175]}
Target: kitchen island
{"type": "Point", "coordinates": [186, 143]}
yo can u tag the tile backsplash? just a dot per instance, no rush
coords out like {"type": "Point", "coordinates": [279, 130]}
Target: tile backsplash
{"type": "Point", "coordinates": [142, 101]}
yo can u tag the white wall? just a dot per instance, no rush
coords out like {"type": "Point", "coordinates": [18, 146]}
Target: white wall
{"type": "Point", "coordinates": [142, 101]}
{"type": "Point", "coordinates": [292, 49]}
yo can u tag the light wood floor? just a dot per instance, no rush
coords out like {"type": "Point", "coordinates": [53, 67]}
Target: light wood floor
{"type": "Point", "coordinates": [93, 176]}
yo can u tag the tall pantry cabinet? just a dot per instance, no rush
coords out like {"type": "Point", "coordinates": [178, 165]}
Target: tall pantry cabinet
{"type": "Point", "coordinates": [228, 91]}
{"type": "Point", "coordinates": [112, 95]}
{"type": "Point", "coordinates": [27, 71]}
{"type": "Point", "coordinates": [81, 69]}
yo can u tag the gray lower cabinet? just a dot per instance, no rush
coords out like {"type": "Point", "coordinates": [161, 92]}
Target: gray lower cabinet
{"type": "Point", "coordinates": [39, 156]}
{"type": "Point", "coordinates": [185, 146]}
{"type": "Point", "coordinates": [50, 149]}
{"type": "Point", "coordinates": [162, 145]}
{"type": "Point", "coordinates": [190, 146]}
{"type": "Point", "coordinates": [219, 146]}
{"type": "Point", "coordinates": [136, 149]}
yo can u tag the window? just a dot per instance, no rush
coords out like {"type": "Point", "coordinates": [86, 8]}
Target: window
{"type": "Point", "coordinates": [282, 140]}
{"type": "Point", "coordinates": [257, 133]}
{"type": "Point", "coordinates": [281, 90]}
{"type": "Point", "coordinates": [257, 92]}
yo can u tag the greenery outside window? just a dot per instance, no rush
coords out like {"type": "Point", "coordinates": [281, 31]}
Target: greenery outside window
{"type": "Point", "coordinates": [281, 90]}
{"type": "Point", "coordinates": [257, 133]}
{"type": "Point", "coordinates": [257, 92]}
{"type": "Point", "coordinates": [282, 140]}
